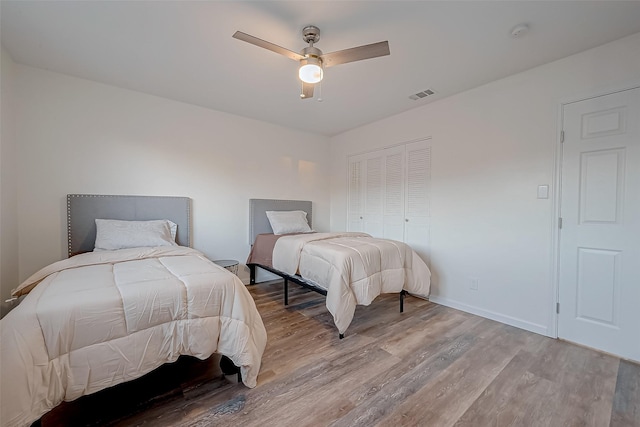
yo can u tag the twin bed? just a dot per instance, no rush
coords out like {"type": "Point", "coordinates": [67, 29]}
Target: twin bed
{"type": "Point", "coordinates": [349, 268]}
{"type": "Point", "coordinates": [103, 317]}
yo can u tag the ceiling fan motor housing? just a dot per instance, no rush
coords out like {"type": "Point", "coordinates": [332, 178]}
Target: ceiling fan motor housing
{"type": "Point", "coordinates": [311, 52]}
{"type": "Point", "coordinates": [311, 34]}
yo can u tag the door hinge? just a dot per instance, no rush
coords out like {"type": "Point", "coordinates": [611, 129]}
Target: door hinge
{"type": "Point", "coordinates": [560, 222]}
{"type": "Point", "coordinates": [558, 308]}
{"type": "Point", "coordinates": [561, 136]}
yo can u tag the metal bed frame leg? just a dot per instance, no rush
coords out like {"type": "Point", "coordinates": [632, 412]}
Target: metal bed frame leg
{"type": "Point", "coordinates": [252, 274]}
{"type": "Point", "coordinates": [286, 292]}
{"type": "Point", "coordinates": [229, 368]}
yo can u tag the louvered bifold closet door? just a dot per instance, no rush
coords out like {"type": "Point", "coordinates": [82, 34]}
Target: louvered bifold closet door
{"type": "Point", "coordinates": [356, 194]}
{"type": "Point", "coordinates": [417, 209]}
{"type": "Point", "coordinates": [373, 194]}
{"type": "Point", "coordinates": [389, 194]}
{"type": "Point", "coordinates": [394, 194]}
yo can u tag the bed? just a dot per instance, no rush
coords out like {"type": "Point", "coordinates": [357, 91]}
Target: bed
{"type": "Point", "coordinates": [350, 269]}
{"type": "Point", "coordinates": [103, 317]}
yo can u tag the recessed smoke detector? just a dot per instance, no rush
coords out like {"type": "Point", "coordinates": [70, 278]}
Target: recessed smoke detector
{"type": "Point", "coordinates": [423, 94]}
{"type": "Point", "coordinates": [519, 30]}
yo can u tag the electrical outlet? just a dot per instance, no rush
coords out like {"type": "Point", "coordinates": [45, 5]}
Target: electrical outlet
{"type": "Point", "coordinates": [473, 284]}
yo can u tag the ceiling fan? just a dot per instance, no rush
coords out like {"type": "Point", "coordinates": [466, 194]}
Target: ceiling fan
{"type": "Point", "coordinates": [312, 60]}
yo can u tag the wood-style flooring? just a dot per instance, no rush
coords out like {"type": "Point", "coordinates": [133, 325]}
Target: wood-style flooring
{"type": "Point", "coordinates": [429, 366]}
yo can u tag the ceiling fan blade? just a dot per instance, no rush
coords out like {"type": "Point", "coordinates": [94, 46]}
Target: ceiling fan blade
{"type": "Point", "coordinates": [356, 54]}
{"type": "Point", "coordinates": [307, 91]}
{"type": "Point", "coordinates": [267, 45]}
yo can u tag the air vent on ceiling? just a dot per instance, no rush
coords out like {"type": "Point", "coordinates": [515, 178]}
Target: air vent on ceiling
{"type": "Point", "coordinates": [422, 94]}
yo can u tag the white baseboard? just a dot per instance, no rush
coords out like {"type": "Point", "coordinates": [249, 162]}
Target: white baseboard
{"type": "Point", "coordinates": [508, 320]}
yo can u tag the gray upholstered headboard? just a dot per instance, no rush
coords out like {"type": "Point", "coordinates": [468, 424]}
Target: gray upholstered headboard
{"type": "Point", "coordinates": [258, 222]}
{"type": "Point", "coordinates": [84, 209]}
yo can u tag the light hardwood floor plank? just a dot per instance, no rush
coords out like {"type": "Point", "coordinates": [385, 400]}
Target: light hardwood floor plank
{"type": "Point", "coordinates": [456, 388]}
{"type": "Point", "coordinates": [626, 402]}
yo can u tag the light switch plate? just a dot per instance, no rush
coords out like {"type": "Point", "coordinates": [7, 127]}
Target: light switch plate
{"type": "Point", "coordinates": [543, 191]}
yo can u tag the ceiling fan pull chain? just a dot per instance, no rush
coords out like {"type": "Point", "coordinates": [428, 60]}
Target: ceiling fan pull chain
{"type": "Point", "coordinates": [320, 91]}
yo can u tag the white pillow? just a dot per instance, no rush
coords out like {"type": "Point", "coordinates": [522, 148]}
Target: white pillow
{"type": "Point", "coordinates": [284, 222]}
{"type": "Point", "coordinates": [112, 234]}
{"type": "Point", "coordinates": [173, 227]}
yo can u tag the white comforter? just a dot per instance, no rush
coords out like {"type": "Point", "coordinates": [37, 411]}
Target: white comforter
{"type": "Point", "coordinates": [100, 319]}
{"type": "Point", "coordinates": [354, 268]}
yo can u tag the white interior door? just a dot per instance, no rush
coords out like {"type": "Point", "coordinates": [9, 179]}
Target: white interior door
{"type": "Point", "coordinates": [599, 283]}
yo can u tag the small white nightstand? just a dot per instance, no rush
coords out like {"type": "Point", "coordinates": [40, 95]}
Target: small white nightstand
{"type": "Point", "coordinates": [229, 264]}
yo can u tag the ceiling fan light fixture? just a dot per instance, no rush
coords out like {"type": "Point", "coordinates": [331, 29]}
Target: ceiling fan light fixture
{"type": "Point", "coordinates": [312, 61]}
{"type": "Point", "coordinates": [310, 70]}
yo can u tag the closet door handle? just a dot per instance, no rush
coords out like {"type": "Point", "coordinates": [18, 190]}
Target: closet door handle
{"type": "Point", "coordinates": [406, 220]}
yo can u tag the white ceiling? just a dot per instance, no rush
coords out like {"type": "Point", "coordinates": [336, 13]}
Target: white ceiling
{"type": "Point", "coordinates": [184, 51]}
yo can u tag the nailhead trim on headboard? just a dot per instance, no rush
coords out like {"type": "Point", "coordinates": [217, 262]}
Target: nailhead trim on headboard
{"type": "Point", "coordinates": [69, 223]}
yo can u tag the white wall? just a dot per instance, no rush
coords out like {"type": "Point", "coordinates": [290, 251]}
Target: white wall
{"type": "Point", "coordinates": [78, 136]}
{"type": "Point", "coordinates": [8, 185]}
{"type": "Point", "coordinates": [491, 148]}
